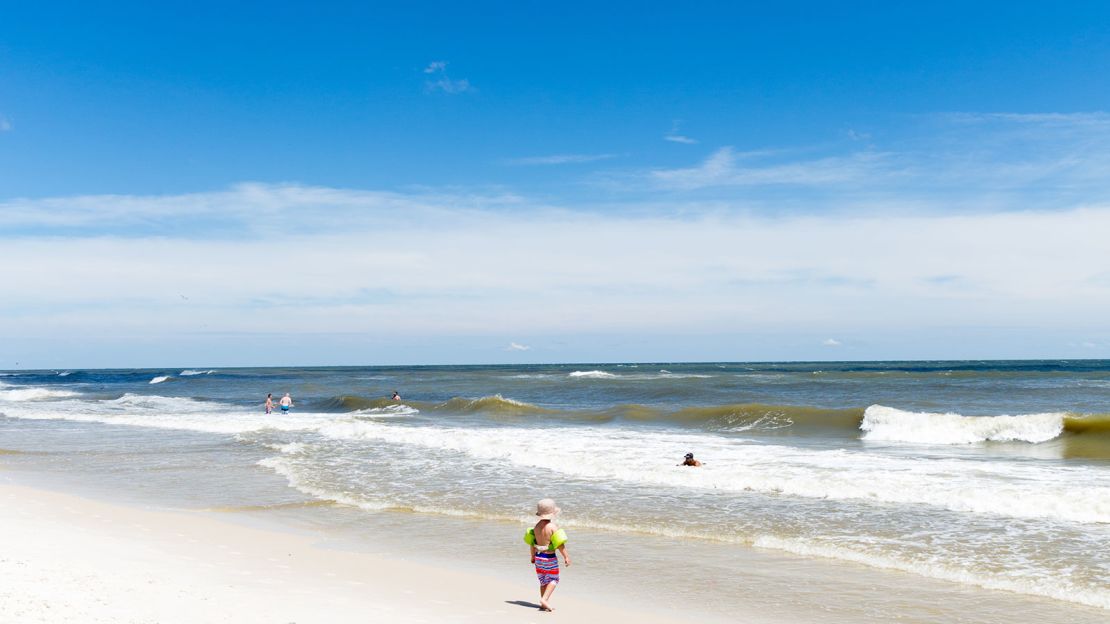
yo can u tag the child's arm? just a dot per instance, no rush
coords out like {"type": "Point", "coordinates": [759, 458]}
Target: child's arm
{"type": "Point", "coordinates": [566, 557]}
{"type": "Point", "coordinates": [533, 549]}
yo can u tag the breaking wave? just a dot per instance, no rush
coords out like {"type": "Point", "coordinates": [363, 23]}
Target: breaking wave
{"type": "Point", "coordinates": [33, 394]}
{"type": "Point", "coordinates": [890, 424]}
{"type": "Point", "coordinates": [592, 374]}
{"type": "Point", "coordinates": [158, 380]}
{"type": "Point", "coordinates": [495, 404]}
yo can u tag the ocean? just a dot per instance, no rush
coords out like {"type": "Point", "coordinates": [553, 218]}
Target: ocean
{"type": "Point", "coordinates": [988, 482]}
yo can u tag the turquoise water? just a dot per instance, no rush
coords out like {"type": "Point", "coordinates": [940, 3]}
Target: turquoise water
{"type": "Point", "coordinates": [984, 474]}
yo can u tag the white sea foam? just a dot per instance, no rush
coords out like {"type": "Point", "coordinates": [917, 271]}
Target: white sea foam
{"type": "Point", "coordinates": [283, 467]}
{"type": "Point", "coordinates": [157, 380]}
{"type": "Point", "coordinates": [1054, 586]}
{"type": "Point", "coordinates": [292, 448]}
{"type": "Point", "coordinates": [191, 373]}
{"type": "Point", "coordinates": [662, 374]}
{"type": "Point", "coordinates": [1070, 493]}
{"type": "Point", "coordinates": [161, 412]}
{"type": "Point", "coordinates": [31, 393]}
{"type": "Point", "coordinates": [1020, 490]}
{"type": "Point", "coordinates": [592, 374]}
{"type": "Point", "coordinates": [895, 425]}
{"type": "Point", "coordinates": [666, 374]}
{"type": "Point", "coordinates": [389, 411]}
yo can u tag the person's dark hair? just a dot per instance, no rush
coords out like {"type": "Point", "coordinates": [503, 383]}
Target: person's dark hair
{"type": "Point", "coordinates": [689, 456]}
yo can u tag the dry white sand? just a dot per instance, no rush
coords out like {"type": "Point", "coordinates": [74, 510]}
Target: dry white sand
{"type": "Point", "coordinates": [65, 558]}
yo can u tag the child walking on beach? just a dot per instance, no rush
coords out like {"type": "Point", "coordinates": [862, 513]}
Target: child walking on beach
{"type": "Point", "coordinates": [543, 540]}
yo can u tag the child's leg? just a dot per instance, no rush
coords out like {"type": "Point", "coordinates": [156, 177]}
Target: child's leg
{"type": "Point", "coordinates": [545, 595]}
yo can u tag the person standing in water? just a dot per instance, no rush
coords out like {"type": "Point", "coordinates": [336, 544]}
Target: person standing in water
{"type": "Point", "coordinates": [396, 396]}
{"type": "Point", "coordinates": [543, 540]}
{"type": "Point", "coordinates": [269, 402]}
{"type": "Point", "coordinates": [286, 402]}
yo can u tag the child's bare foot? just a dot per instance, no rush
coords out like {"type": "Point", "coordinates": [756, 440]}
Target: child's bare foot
{"type": "Point", "coordinates": [544, 606]}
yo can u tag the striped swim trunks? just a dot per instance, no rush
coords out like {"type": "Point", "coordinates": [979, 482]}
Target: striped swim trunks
{"type": "Point", "coordinates": [547, 568]}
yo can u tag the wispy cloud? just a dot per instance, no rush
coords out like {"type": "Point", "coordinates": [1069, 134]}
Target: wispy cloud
{"type": "Point", "coordinates": [559, 159]}
{"type": "Point", "coordinates": [948, 162]}
{"type": "Point", "coordinates": [5, 124]}
{"type": "Point", "coordinates": [440, 81]}
{"type": "Point", "coordinates": [726, 167]}
{"type": "Point", "coordinates": [515, 346]}
{"type": "Point", "coordinates": [675, 137]}
{"type": "Point", "coordinates": [448, 85]}
{"type": "Point", "coordinates": [831, 342]}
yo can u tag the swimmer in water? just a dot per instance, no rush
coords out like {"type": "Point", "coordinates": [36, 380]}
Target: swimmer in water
{"type": "Point", "coordinates": [396, 397]}
{"type": "Point", "coordinates": [690, 461]}
{"type": "Point", "coordinates": [286, 402]}
{"type": "Point", "coordinates": [269, 402]}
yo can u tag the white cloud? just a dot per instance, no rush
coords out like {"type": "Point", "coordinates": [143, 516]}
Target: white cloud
{"type": "Point", "coordinates": [514, 346]}
{"type": "Point", "coordinates": [979, 162]}
{"type": "Point", "coordinates": [289, 259]}
{"type": "Point", "coordinates": [559, 159]}
{"type": "Point", "coordinates": [448, 85]}
{"type": "Point", "coordinates": [675, 137]}
{"type": "Point", "coordinates": [678, 138]}
{"type": "Point", "coordinates": [5, 124]}
{"type": "Point", "coordinates": [831, 342]}
{"type": "Point", "coordinates": [443, 82]}
{"type": "Point", "coordinates": [726, 167]}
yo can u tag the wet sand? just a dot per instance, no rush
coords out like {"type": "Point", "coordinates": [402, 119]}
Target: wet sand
{"type": "Point", "coordinates": [65, 558]}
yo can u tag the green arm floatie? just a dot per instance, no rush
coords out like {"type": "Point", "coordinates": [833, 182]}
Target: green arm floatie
{"type": "Point", "coordinates": [557, 539]}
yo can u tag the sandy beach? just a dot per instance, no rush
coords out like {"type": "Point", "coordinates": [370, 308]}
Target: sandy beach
{"type": "Point", "coordinates": [71, 559]}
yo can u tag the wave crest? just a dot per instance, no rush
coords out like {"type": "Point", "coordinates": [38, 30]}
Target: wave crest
{"type": "Point", "coordinates": [895, 425]}
{"type": "Point", "coordinates": [592, 374]}
{"type": "Point", "coordinates": [494, 404]}
{"type": "Point", "coordinates": [34, 394]}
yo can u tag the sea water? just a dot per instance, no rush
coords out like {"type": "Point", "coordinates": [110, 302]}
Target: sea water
{"type": "Point", "coordinates": [990, 477]}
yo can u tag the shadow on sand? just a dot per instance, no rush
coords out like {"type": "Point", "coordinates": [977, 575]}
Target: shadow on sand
{"type": "Point", "coordinates": [523, 603]}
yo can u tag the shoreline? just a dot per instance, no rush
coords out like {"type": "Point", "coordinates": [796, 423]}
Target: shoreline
{"type": "Point", "coordinates": [92, 550]}
{"type": "Point", "coordinates": [70, 558]}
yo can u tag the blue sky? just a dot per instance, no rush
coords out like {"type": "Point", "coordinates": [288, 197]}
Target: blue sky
{"type": "Point", "coordinates": [334, 183]}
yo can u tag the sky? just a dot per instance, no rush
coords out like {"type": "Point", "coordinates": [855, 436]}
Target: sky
{"type": "Point", "coordinates": [197, 184]}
